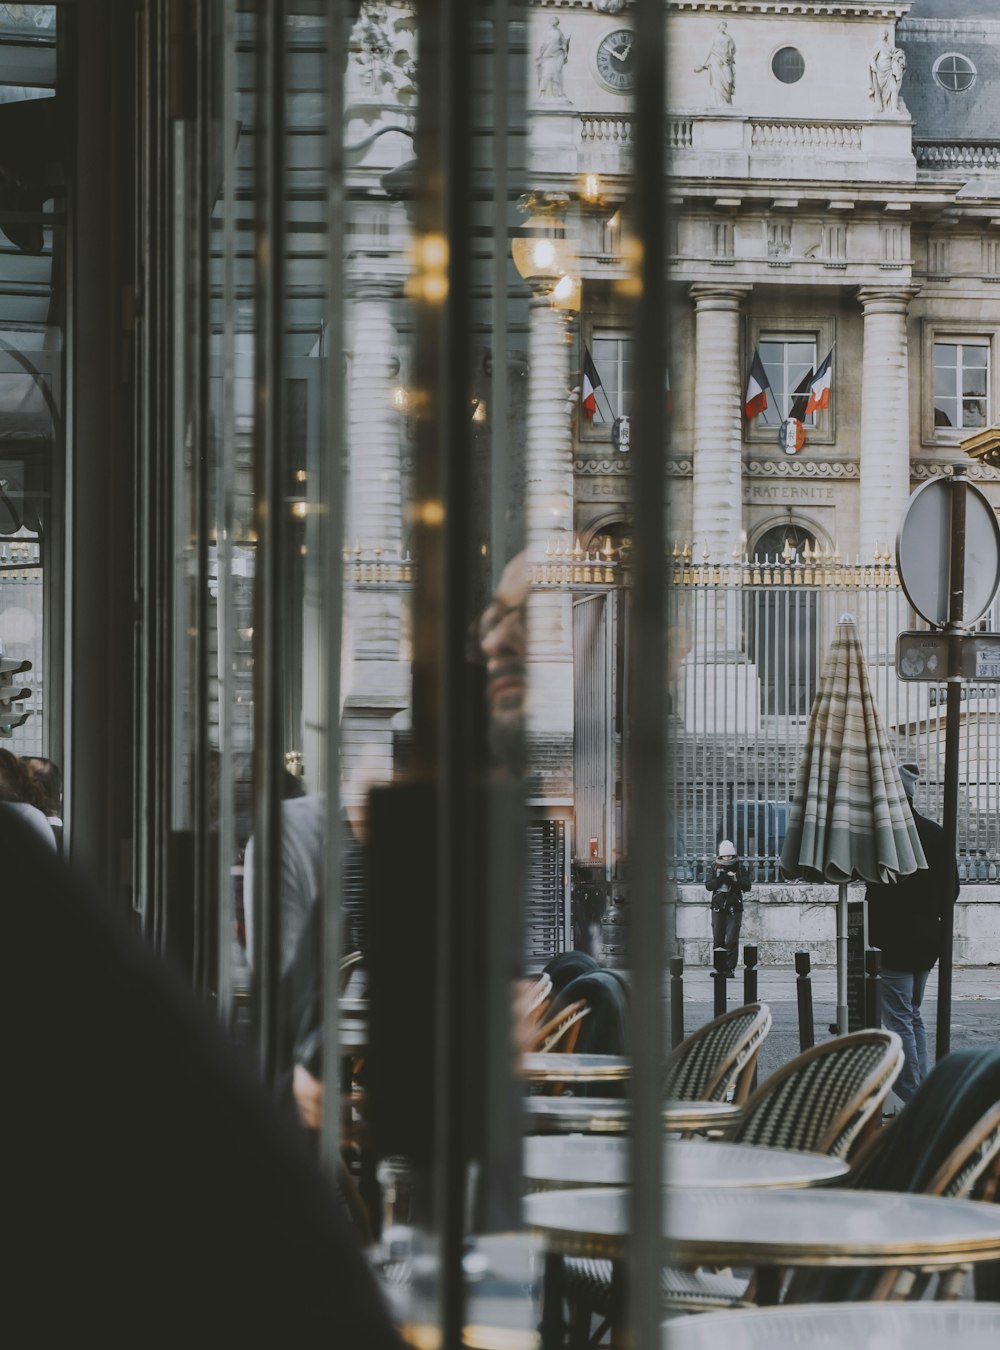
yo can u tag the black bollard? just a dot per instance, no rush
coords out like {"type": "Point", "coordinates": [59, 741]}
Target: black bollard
{"type": "Point", "coordinates": [676, 1000]}
{"type": "Point", "coordinates": [749, 975]}
{"type": "Point", "coordinates": [804, 995]}
{"type": "Point", "coordinates": [873, 988]}
{"type": "Point", "coordinates": [719, 976]}
{"type": "Point", "coordinates": [750, 991]}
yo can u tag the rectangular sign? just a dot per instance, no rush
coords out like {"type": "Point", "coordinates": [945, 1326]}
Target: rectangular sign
{"type": "Point", "coordinates": [924, 656]}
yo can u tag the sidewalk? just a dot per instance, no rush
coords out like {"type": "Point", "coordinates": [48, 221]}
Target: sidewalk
{"type": "Point", "coordinates": [776, 984]}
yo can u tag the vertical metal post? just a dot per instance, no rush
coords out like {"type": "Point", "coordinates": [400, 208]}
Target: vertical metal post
{"type": "Point", "coordinates": [647, 703]}
{"type": "Point", "coordinates": [676, 1000]}
{"type": "Point", "coordinates": [804, 998]}
{"type": "Point", "coordinates": [331, 493]}
{"type": "Point", "coordinates": [719, 980]}
{"type": "Point", "coordinates": [873, 988]}
{"type": "Point", "coordinates": [749, 975]}
{"type": "Point", "coordinates": [268, 719]}
{"type": "Point", "coordinates": [952, 746]}
{"type": "Point", "coordinates": [750, 990]}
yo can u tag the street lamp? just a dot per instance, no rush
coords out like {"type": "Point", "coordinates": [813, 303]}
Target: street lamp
{"type": "Point", "coordinates": [543, 255]}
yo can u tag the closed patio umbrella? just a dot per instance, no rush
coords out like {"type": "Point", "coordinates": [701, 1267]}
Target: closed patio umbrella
{"type": "Point", "coordinates": [850, 818]}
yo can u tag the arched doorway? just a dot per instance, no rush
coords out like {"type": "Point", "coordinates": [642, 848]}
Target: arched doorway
{"type": "Point", "coordinates": [783, 626]}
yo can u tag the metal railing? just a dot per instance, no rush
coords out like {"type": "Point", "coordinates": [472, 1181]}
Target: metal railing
{"type": "Point", "coordinates": [748, 642]}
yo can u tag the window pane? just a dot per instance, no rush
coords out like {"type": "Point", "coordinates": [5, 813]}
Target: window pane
{"type": "Point", "coordinates": [974, 354]}
{"type": "Point", "coordinates": [945, 412]}
{"type": "Point", "coordinates": [944, 382]}
{"type": "Point", "coordinates": [974, 381]}
{"type": "Point", "coordinates": [946, 354]}
{"type": "Point", "coordinates": [973, 413]}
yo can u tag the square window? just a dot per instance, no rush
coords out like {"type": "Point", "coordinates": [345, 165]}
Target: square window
{"type": "Point", "coordinates": [961, 383]}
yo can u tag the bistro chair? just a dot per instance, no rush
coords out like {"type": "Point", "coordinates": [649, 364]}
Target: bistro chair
{"type": "Point", "coordinates": [826, 1100]}
{"type": "Point", "coordinates": [945, 1141]}
{"type": "Point", "coordinates": [347, 967]}
{"type": "Point", "coordinates": [561, 1032]}
{"type": "Point", "coordinates": [717, 1061]}
{"type": "Point", "coordinates": [533, 998]}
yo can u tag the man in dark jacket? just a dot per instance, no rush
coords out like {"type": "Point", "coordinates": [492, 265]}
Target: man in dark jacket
{"type": "Point", "coordinates": [904, 919]}
{"type": "Point", "coordinates": [728, 880]}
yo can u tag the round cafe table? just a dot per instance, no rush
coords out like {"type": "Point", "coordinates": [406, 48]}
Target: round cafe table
{"type": "Point", "coordinates": [556, 1068]}
{"type": "Point", "coordinates": [604, 1115]}
{"type": "Point", "coordinates": [551, 1163]}
{"type": "Point", "coordinates": [771, 1227]}
{"type": "Point", "coordinates": [831, 1326]}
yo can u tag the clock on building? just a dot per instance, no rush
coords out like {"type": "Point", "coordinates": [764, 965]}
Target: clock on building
{"type": "Point", "coordinates": [615, 60]}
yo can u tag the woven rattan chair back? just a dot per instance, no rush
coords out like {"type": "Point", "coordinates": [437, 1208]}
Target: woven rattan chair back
{"type": "Point", "coordinates": [534, 998]}
{"type": "Point", "coordinates": [718, 1057]}
{"type": "Point", "coordinates": [973, 1161]}
{"type": "Point", "coordinates": [347, 965]}
{"type": "Point", "coordinates": [822, 1100]}
{"type": "Point", "coordinates": [560, 1033]}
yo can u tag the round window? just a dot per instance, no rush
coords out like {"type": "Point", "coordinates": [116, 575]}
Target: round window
{"type": "Point", "coordinates": [954, 72]}
{"type": "Point", "coordinates": [788, 65]}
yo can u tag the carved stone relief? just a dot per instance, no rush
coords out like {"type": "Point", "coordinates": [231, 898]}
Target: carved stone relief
{"type": "Point", "coordinates": [388, 67]}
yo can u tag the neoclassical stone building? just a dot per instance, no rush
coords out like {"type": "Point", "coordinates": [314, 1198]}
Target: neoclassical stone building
{"type": "Point", "coordinates": [833, 188]}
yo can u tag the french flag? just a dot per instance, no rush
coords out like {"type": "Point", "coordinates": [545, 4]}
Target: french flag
{"type": "Point", "coordinates": [591, 384]}
{"type": "Point", "coordinates": [821, 385]}
{"type": "Point", "coordinates": [757, 389]}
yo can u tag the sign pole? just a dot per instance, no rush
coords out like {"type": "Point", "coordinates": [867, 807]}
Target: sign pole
{"type": "Point", "coordinates": [956, 615]}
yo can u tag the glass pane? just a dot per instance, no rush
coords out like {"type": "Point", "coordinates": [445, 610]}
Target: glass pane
{"type": "Point", "coordinates": [33, 264]}
{"type": "Point", "coordinates": [945, 412]}
{"type": "Point", "coordinates": [974, 355]}
{"type": "Point", "coordinates": [946, 354]}
{"type": "Point", "coordinates": [944, 382]}
{"type": "Point", "coordinates": [974, 380]}
{"type": "Point", "coordinates": [973, 413]}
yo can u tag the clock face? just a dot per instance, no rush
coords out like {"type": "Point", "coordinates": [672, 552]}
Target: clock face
{"type": "Point", "coordinates": [616, 60]}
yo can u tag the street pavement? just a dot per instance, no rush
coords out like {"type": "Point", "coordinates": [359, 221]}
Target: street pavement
{"type": "Point", "coordinates": [975, 1017]}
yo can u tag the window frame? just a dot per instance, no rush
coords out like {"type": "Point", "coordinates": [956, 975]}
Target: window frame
{"type": "Point", "coordinates": [590, 432]}
{"type": "Point", "coordinates": [790, 328]}
{"type": "Point", "coordinates": [936, 72]}
{"type": "Point", "coordinates": [965, 333]}
{"type": "Point", "coordinates": [787, 47]}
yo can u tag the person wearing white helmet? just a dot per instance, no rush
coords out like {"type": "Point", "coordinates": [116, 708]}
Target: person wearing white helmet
{"type": "Point", "coordinates": [728, 880]}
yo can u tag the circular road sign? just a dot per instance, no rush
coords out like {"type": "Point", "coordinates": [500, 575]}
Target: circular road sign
{"type": "Point", "coordinates": [923, 551]}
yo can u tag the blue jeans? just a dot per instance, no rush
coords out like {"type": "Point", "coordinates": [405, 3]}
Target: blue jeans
{"type": "Point", "coordinates": [902, 994]}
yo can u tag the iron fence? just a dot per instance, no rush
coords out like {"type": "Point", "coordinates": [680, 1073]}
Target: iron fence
{"type": "Point", "coordinates": [748, 644]}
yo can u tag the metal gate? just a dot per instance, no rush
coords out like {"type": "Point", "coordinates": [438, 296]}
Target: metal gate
{"type": "Point", "coordinates": [545, 892]}
{"type": "Point", "coordinates": [594, 726]}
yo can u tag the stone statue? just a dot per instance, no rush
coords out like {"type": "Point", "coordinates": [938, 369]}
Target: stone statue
{"type": "Point", "coordinates": [609, 6]}
{"type": "Point", "coordinates": [551, 60]}
{"type": "Point", "coordinates": [721, 66]}
{"type": "Point", "coordinates": [885, 74]}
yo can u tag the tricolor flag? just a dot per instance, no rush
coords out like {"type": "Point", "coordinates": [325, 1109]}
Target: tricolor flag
{"type": "Point", "coordinates": [757, 389]}
{"type": "Point", "coordinates": [801, 397]}
{"type": "Point", "coordinates": [820, 386]}
{"type": "Point", "coordinates": [591, 384]}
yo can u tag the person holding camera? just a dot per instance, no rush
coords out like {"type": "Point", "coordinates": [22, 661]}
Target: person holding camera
{"type": "Point", "coordinates": [729, 881]}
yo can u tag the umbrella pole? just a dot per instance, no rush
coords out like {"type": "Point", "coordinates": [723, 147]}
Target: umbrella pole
{"type": "Point", "coordinates": [842, 959]}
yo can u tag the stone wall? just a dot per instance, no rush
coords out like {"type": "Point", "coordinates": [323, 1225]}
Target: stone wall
{"type": "Point", "coordinates": [782, 920]}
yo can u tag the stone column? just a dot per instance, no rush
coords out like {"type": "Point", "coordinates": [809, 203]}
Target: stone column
{"type": "Point", "coordinates": [717, 509]}
{"type": "Point", "coordinates": [885, 416]}
{"type": "Point", "coordinates": [549, 509]}
{"type": "Point", "coordinates": [376, 679]}
{"type": "Point", "coordinates": [718, 688]}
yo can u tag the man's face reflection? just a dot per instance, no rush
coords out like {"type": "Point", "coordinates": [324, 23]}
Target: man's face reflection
{"type": "Point", "coordinates": [503, 642]}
